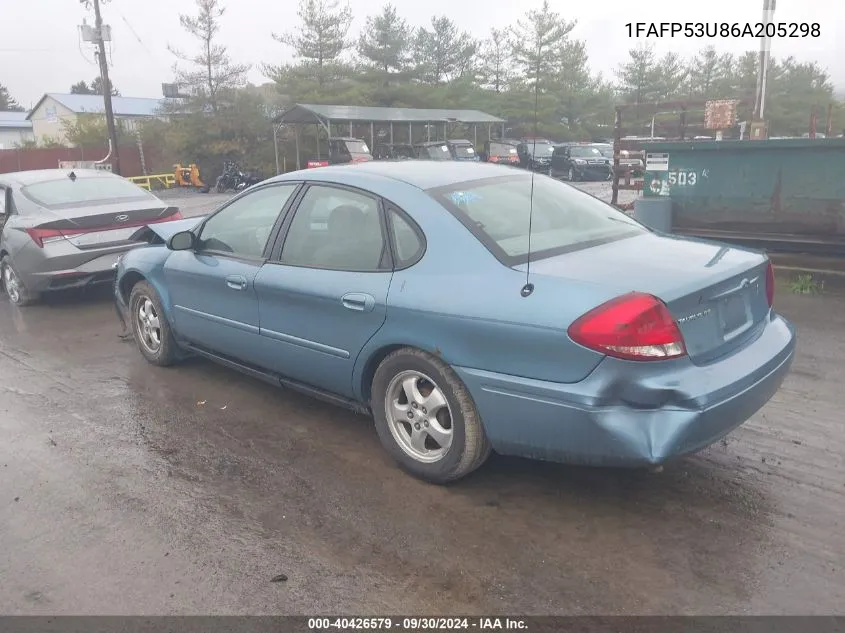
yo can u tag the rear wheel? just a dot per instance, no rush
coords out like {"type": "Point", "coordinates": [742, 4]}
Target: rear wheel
{"type": "Point", "coordinates": [15, 289]}
{"type": "Point", "coordinates": [425, 417]}
{"type": "Point", "coordinates": [150, 327]}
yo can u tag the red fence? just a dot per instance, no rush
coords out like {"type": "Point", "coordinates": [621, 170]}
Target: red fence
{"type": "Point", "coordinates": [48, 158]}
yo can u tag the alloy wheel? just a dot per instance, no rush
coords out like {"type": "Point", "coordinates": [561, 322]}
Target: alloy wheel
{"type": "Point", "coordinates": [148, 325]}
{"type": "Point", "coordinates": [11, 283]}
{"type": "Point", "coordinates": [419, 416]}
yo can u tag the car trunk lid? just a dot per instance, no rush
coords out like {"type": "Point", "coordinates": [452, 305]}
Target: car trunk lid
{"type": "Point", "coordinates": [99, 226]}
{"type": "Point", "coordinates": [716, 293]}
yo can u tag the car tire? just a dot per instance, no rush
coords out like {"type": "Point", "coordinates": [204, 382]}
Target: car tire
{"type": "Point", "coordinates": [13, 286]}
{"type": "Point", "coordinates": [152, 335]}
{"type": "Point", "coordinates": [454, 412]}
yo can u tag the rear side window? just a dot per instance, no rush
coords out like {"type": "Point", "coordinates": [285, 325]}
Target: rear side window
{"type": "Point", "coordinates": [564, 219]}
{"type": "Point", "coordinates": [407, 240]}
{"type": "Point", "coordinates": [3, 204]}
{"type": "Point", "coordinates": [65, 192]}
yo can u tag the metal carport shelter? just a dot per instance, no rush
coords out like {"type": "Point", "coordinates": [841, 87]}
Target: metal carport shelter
{"type": "Point", "coordinates": [323, 116]}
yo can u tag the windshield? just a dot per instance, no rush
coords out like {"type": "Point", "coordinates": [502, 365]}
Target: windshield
{"type": "Point", "coordinates": [96, 190]}
{"type": "Point", "coordinates": [436, 152]}
{"type": "Point", "coordinates": [563, 218]}
{"type": "Point", "coordinates": [502, 149]}
{"type": "Point", "coordinates": [585, 152]}
{"type": "Point", "coordinates": [607, 152]}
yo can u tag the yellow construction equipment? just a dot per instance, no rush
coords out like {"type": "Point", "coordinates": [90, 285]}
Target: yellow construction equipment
{"type": "Point", "coordinates": [188, 176]}
{"type": "Point", "coordinates": [181, 177]}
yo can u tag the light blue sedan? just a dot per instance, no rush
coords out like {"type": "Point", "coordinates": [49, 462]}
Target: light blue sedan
{"type": "Point", "coordinates": [405, 290]}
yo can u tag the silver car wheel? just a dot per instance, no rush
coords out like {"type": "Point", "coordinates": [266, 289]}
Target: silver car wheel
{"type": "Point", "coordinates": [147, 325]}
{"type": "Point", "coordinates": [419, 416]}
{"type": "Point", "coordinates": [11, 283]}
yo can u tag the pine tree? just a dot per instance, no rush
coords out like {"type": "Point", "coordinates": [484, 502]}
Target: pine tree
{"type": "Point", "coordinates": [7, 102]}
{"type": "Point", "coordinates": [213, 71]}
{"type": "Point", "coordinates": [384, 44]}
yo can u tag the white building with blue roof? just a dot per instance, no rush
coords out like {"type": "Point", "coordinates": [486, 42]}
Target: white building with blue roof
{"type": "Point", "coordinates": [15, 129]}
{"type": "Point", "coordinates": [54, 111]}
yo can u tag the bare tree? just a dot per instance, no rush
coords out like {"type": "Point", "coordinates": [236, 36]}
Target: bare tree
{"type": "Point", "coordinates": [213, 70]}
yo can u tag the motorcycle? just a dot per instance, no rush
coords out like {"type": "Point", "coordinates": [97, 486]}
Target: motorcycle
{"type": "Point", "coordinates": [236, 179]}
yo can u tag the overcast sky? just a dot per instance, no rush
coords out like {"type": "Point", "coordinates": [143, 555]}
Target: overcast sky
{"type": "Point", "coordinates": [40, 50]}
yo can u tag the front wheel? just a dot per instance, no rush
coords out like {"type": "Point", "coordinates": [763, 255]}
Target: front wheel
{"type": "Point", "coordinates": [15, 289]}
{"type": "Point", "coordinates": [150, 327]}
{"type": "Point", "coordinates": [426, 418]}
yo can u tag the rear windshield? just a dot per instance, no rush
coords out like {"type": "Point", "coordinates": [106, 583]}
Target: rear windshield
{"type": "Point", "coordinates": [502, 149]}
{"type": "Point", "coordinates": [564, 218]}
{"type": "Point", "coordinates": [539, 149]}
{"type": "Point", "coordinates": [437, 152]}
{"type": "Point", "coordinates": [585, 152]}
{"type": "Point", "coordinates": [404, 151]}
{"type": "Point", "coordinates": [357, 147]}
{"type": "Point", "coordinates": [464, 150]}
{"type": "Point", "coordinates": [71, 193]}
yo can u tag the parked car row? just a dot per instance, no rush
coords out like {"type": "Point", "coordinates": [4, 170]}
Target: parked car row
{"type": "Point", "coordinates": [570, 161]}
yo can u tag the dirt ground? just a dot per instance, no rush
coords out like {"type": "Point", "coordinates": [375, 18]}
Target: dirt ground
{"type": "Point", "coordinates": [130, 489]}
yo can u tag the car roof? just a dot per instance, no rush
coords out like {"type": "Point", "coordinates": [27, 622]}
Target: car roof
{"type": "Point", "coordinates": [458, 140]}
{"type": "Point", "coordinates": [429, 143]}
{"type": "Point", "coordinates": [346, 138]}
{"type": "Point", "coordinates": [31, 177]}
{"type": "Point", "coordinates": [421, 174]}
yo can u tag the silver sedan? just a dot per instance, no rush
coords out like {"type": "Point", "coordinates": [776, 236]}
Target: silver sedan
{"type": "Point", "coordinates": [65, 229]}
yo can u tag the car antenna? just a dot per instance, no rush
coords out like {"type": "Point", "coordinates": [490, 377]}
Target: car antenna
{"type": "Point", "coordinates": [528, 288]}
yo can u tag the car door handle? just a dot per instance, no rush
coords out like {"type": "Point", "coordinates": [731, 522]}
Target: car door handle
{"type": "Point", "coordinates": [358, 301]}
{"type": "Point", "coordinates": [236, 282]}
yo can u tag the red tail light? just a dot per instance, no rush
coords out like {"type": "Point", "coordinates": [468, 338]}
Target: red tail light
{"type": "Point", "coordinates": [40, 236]}
{"type": "Point", "coordinates": [44, 236]}
{"type": "Point", "coordinates": [493, 159]}
{"type": "Point", "coordinates": [635, 326]}
{"type": "Point", "coordinates": [770, 284]}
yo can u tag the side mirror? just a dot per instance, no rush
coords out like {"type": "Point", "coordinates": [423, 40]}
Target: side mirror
{"type": "Point", "coordinates": [181, 241]}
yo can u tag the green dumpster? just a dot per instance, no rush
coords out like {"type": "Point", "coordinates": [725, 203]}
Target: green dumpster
{"type": "Point", "coordinates": [782, 188]}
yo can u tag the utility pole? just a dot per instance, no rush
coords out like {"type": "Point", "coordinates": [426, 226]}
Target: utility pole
{"type": "Point", "coordinates": [99, 40]}
{"type": "Point", "coordinates": [765, 60]}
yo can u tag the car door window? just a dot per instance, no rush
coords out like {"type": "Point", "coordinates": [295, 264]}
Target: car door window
{"type": "Point", "coordinates": [3, 195]}
{"type": "Point", "coordinates": [407, 240]}
{"type": "Point", "coordinates": [336, 229]}
{"type": "Point", "coordinates": [243, 227]}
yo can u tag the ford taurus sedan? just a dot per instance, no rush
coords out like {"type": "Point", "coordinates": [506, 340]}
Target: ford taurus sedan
{"type": "Point", "coordinates": [65, 229]}
{"type": "Point", "coordinates": [433, 297]}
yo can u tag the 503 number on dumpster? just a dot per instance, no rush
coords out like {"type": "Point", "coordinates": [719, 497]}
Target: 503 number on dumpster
{"type": "Point", "coordinates": [682, 178]}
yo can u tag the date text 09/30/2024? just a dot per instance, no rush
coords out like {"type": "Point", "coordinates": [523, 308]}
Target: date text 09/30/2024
{"type": "Point", "coordinates": [724, 29]}
{"type": "Point", "coordinates": [416, 624]}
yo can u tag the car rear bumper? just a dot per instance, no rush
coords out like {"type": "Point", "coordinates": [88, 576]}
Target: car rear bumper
{"type": "Point", "coordinates": [59, 271]}
{"type": "Point", "coordinates": [616, 417]}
